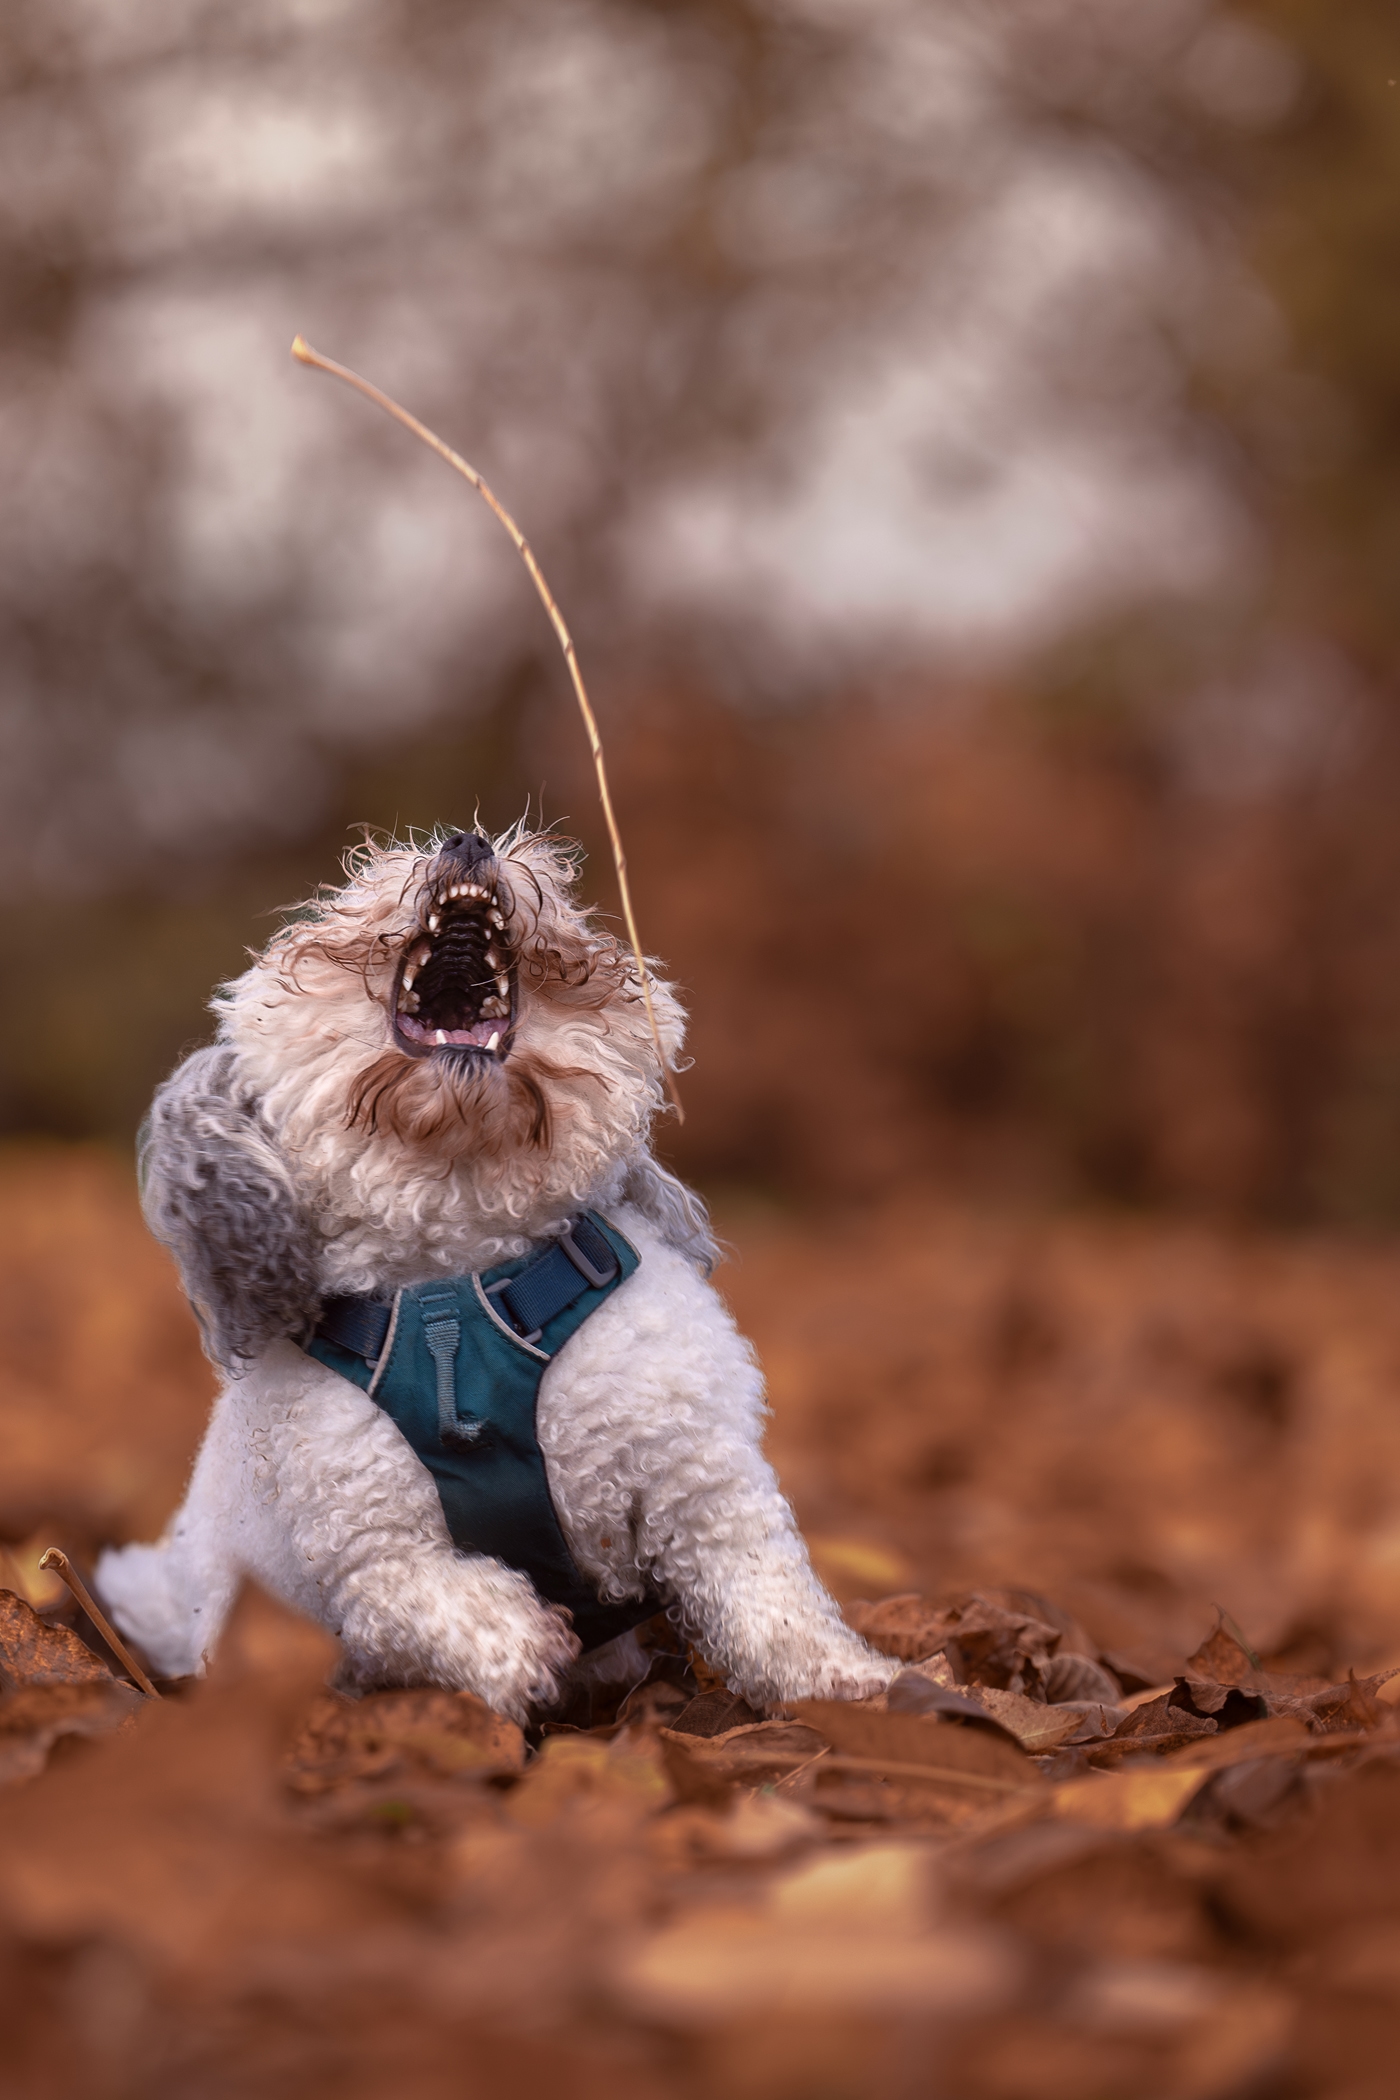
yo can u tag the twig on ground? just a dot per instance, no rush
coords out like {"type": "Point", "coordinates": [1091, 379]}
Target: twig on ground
{"type": "Point", "coordinates": [305, 355]}
{"type": "Point", "coordinates": [63, 1567]}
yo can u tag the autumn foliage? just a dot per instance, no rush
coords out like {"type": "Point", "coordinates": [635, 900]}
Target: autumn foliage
{"type": "Point", "coordinates": [1128, 1822]}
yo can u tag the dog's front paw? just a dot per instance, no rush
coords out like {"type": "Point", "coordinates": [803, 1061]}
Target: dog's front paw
{"type": "Point", "coordinates": [525, 1673]}
{"type": "Point", "coordinates": [854, 1676]}
{"type": "Point", "coordinates": [461, 1621]}
{"type": "Point", "coordinates": [521, 1649]}
{"type": "Point", "coordinates": [845, 1672]}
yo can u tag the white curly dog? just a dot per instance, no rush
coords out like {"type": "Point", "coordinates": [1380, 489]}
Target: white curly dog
{"type": "Point", "coordinates": [440, 1070]}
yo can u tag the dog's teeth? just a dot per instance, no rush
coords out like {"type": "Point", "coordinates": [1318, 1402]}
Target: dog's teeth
{"type": "Point", "coordinates": [441, 1036]}
{"type": "Point", "coordinates": [433, 922]}
{"type": "Point", "coordinates": [408, 976]}
{"type": "Point", "coordinates": [494, 1040]}
{"type": "Point", "coordinates": [497, 921]}
{"type": "Point", "coordinates": [503, 987]}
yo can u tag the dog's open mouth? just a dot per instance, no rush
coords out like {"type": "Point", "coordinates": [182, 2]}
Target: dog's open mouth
{"type": "Point", "coordinates": [456, 983]}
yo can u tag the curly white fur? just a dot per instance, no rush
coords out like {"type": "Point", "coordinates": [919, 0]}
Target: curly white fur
{"type": "Point", "coordinates": [277, 1181]}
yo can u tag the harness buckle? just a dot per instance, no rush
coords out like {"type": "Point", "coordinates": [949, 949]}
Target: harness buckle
{"type": "Point", "coordinates": [504, 1310]}
{"type": "Point", "coordinates": [589, 1271]}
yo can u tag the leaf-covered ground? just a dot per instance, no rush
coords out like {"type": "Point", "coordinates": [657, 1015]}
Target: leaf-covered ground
{"type": "Point", "coordinates": [1123, 1499]}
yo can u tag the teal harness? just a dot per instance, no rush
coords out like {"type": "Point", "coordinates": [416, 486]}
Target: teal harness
{"type": "Point", "coordinates": [457, 1365]}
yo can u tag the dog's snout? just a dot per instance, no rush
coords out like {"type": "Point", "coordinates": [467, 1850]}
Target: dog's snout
{"type": "Point", "coordinates": [467, 849]}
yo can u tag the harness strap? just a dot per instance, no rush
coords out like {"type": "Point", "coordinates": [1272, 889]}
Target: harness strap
{"type": "Point", "coordinates": [442, 1331]}
{"type": "Point", "coordinates": [580, 1259]}
{"type": "Point", "coordinates": [356, 1324]}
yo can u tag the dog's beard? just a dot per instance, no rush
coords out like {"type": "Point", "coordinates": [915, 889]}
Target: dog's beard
{"type": "Point", "coordinates": [455, 1105]}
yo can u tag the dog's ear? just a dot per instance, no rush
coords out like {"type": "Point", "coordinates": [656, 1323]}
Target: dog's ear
{"type": "Point", "coordinates": [217, 1193]}
{"type": "Point", "coordinates": [677, 1212]}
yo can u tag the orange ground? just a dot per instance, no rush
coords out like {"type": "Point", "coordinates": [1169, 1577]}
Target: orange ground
{"type": "Point", "coordinates": [1139, 1421]}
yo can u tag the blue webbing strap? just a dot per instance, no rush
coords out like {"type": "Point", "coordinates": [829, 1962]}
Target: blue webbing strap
{"type": "Point", "coordinates": [356, 1324]}
{"type": "Point", "coordinates": [442, 1331]}
{"type": "Point", "coordinates": [580, 1260]}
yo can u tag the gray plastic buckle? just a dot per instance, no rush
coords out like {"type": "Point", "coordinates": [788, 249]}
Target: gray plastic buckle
{"type": "Point", "coordinates": [599, 1278]}
{"type": "Point", "coordinates": [504, 1285]}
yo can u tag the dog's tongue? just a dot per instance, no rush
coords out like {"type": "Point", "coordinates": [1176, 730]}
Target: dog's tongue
{"type": "Point", "coordinates": [480, 1036]}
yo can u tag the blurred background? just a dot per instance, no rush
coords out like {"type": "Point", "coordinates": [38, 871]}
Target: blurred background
{"type": "Point", "coordinates": [965, 441]}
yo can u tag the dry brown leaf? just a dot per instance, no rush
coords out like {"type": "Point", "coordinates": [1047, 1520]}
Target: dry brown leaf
{"type": "Point", "coordinates": [987, 1644]}
{"type": "Point", "coordinates": [917, 1691]}
{"type": "Point", "coordinates": [275, 1652]}
{"type": "Point", "coordinates": [1355, 1704]}
{"type": "Point", "coordinates": [1140, 1800]}
{"type": "Point", "coordinates": [33, 1718]}
{"type": "Point", "coordinates": [706, 1768]}
{"type": "Point", "coordinates": [1071, 1678]}
{"type": "Point", "coordinates": [1276, 1736]}
{"type": "Point", "coordinates": [1219, 2032]}
{"type": "Point", "coordinates": [1129, 1702]}
{"type": "Point", "coordinates": [32, 1652]}
{"type": "Point", "coordinates": [715, 1712]}
{"type": "Point", "coordinates": [906, 1742]}
{"type": "Point", "coordinates": [571, 1771]}
{"type": "Point", "coordinates": [1157, 1726]}
{"type": "Point", "coordinates": [1035, 1727]}
{"type": "Point", "coordinates": [934, 1669]}
{"type": "Point", "coordinates": [1221, 1659]}
{"type": "Point", "coordinates": [448, 1734]}
{"type": "Point", "coordinates": [907, 1626]}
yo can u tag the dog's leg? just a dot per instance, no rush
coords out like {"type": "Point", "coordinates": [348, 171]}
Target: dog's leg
{"type": "Point", "coordinates": [344, 1522]}
{"type": "Point", "coordinates": [684, 1484]}
{"type": "Point", "coordinates": [304, 1484]}
{"type": "Point", "coordinates": [172, 1598]}
{"type": "Point", "coordinates": [727, 1547]}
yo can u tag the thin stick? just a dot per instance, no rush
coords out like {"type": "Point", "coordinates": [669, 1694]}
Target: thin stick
{"type": "Point", "coordinates": [937, 1775]}
{"type": "Point", "coordinates": [303, 352]}
{"type": "Point", "coordinates": [63, 1567]}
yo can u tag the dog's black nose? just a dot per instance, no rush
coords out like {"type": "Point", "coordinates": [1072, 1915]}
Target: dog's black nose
{"type": "Point", "coordinates": [467, 848]}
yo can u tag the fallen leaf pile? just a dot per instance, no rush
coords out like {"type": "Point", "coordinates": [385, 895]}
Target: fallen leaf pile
{"type": "Point", "coordinates": [1124, 1826]}
{"type": "Point", "coordinates": [255, 1883]}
